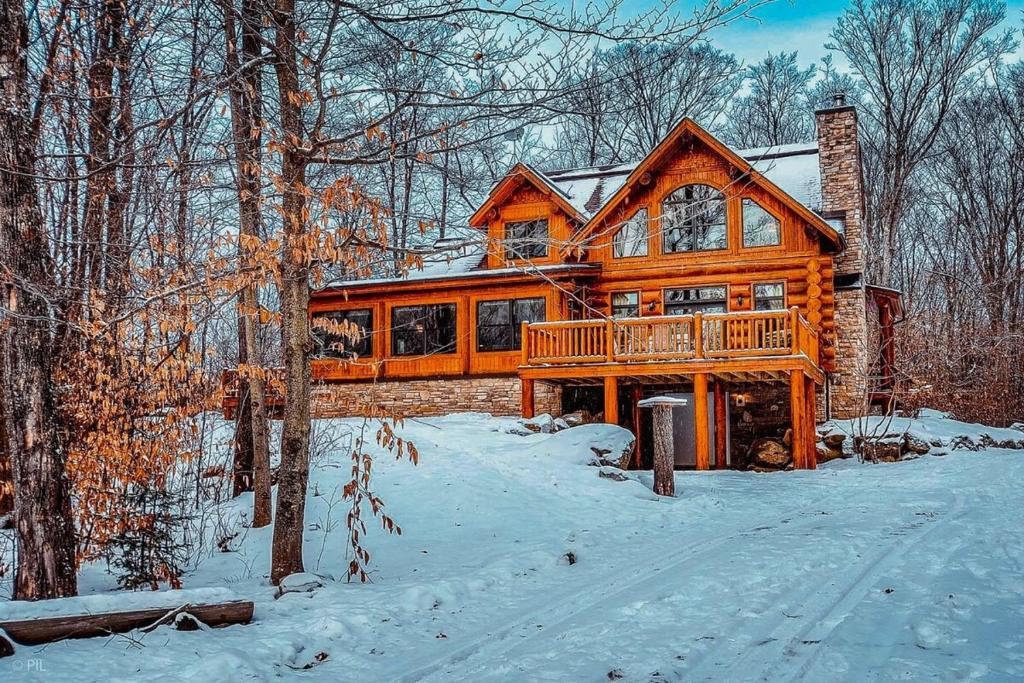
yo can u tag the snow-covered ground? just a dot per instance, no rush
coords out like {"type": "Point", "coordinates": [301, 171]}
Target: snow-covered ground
{"type": "Point", "coordinates": [904, 571]}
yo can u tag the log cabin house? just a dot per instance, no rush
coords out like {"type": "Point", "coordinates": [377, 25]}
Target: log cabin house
{"type": "Point", "coordinates": [732, 277]}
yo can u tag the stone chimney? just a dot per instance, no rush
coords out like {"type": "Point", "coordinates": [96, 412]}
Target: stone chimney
{"type": "Point", "coordinates": [842, 195]}
{"type": "Point", "coordinates": [842, 198]}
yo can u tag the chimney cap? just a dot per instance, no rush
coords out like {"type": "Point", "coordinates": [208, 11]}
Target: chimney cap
{"type": "Point", "coordinates": [837, 104]}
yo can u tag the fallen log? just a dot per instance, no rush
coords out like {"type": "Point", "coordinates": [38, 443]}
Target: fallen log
{"type": "Point", "coordinates": [50, 629]}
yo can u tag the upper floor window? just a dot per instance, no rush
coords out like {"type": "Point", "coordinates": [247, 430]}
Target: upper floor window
{"type": "Point", "coordinates": [693, 219]}
{"type": "Point", "coordinates": [626, 305]}
{"type": "Point", "coordinates": [760, 228]}
{"type": "Point", "coordinates": [343, 334]}
{"type": "Point", "coordinates": [526, 239]}
{"type": "Point", "coordinates": [693, 299]}
{"type": "Point", "coordinates": [631, 239]}
{"type": "Point", "coordinates": [769, 296]}
{"type": "Point", "coordinates": [423, 330]}
{"type": "Point", "coordinates": [499, 324]}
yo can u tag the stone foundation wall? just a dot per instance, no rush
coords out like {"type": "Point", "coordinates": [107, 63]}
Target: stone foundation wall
{"type": "Point", "coordinates": [848, 386]}
{"type": "Point", "coordinates": [425, 398]}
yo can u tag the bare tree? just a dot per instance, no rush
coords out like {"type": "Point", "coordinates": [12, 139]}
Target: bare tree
{"type": "Point", "coordinates": [915, 58]}
{"type": "Point", "coordinates": [243, 62]}
{"type": "Point", "coordinates": [46, 535]}
{"type": "Point", "coordinates": [776, 110]}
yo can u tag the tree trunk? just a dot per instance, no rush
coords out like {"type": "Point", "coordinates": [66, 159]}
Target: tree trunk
{"type": "Point", "coordinates": [246, 111]}
{"type": "Point", "coordinates": [42, 502]}
{"type": "Point", "coordinates": [664, 451]}
{"type": "Point", "coordinates": [294, 472]}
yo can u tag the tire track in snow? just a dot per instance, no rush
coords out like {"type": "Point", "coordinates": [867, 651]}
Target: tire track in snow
{"type": "Point", "coordinates": [564, 611]}
{"type": "Point", "coordinates": [799, 658]}
{"type": "Point", "coordinates": [781, 651]}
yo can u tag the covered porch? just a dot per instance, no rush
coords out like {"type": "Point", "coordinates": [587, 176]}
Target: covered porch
{"type": "Point", "coordinates": [703, 354]}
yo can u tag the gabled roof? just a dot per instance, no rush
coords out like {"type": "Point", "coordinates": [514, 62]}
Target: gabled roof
{"type": "Point", "coordinates": [510, 183]}
{"type": "Point", "coordinates": [799, 175]}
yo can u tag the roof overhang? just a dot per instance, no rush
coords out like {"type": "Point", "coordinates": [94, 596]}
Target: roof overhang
{"type": "Point", "coordinates": [519, 174]}
{"type": "Point", "coordinates": [462, 280]}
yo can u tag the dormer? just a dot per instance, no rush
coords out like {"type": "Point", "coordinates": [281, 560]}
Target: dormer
{"type": "Point", "coordinates": [529, 220]}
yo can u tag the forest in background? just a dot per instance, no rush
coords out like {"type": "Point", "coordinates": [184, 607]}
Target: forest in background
{"type": "Point", "coordinates": [176, 177]}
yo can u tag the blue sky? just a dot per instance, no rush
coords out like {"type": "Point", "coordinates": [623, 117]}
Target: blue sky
{"type": "Point", "coordinates": [801, 25]}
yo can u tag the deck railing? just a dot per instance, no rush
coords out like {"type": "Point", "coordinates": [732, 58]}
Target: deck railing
{"type": "Point", "coordinates": [670, 338]}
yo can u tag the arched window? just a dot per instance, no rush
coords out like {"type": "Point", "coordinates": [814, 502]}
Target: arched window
{"type": "Point", "coordinates": [693, 219]}
{"type": "Point", "coordinates": [760, 228]}
{"type": "Point", "coordinates": [631, 239]}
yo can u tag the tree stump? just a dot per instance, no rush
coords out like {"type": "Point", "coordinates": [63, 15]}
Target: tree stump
{"type": "Point", "coordinates": [664, 446]}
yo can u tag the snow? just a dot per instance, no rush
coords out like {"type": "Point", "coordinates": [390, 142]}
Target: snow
{"type": "Point", "coordinates": [663, 401]}
{"type": "Point", "coordinates": [938, 429]}
{"type": "Point", "coordinates": [852, 572]}
{"type": "Point", "coordinates": [798, 175]}
{"type": "Point", "coordinates": [113, 602]}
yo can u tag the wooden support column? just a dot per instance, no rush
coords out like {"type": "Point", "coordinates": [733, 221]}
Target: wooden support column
{"type": "Point", "coordinates": [664, 442]}
{"type": "Point", "coordinates": [812, 435]}
{"type": "Point", "coordinates": [798, 421]}
{"type": "Point", "coordinates": [635, 392]}
{"type": "Point", "coordinates": [700, 418]}
{"type": "Point", "coordinates": [611, 400]}
{"type": "Point", "coordinates": [721, 420]}
{"type": "Point", "coordinates": [527, 406]}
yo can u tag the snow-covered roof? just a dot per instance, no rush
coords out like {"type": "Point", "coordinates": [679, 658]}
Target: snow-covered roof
{"type": "Point", "coordinates": [587, 189]}
{"type": "Point", "coordinates": [421, 275]}
{"type": "Point", "coordinates": [794, 168]}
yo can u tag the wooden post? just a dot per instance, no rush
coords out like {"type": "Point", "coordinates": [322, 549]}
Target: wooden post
{"type": "Point", "coordinates": [812, 436]}
{"type": "Point", "coordinates": [700, 419]}
{"type": "Point", "coordinates": [635, 392]}
{"type": "Point", "coordinates": [527, 406]}
{"type": "Point", "coordinates": [525, 342]}
{"type": "Point", "coordinates": [797, 408]}
{"type": "Point", "coordinates": [698, 335]}
{"type": "Point", "coordinates": [794, 333]}
{"type": "Point", "coordinates": [664, 451]}
{"type": "Point", "coordinates": [609, 339]}
{"type": "Point", "coordinates": [611, 400]}
{"type": "Point", "coordinates": [721, 422]}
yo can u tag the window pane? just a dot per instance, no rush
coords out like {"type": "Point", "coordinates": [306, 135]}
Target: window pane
{"type": "Point", "coordinates": [526, 239]}
{"type": "Point", "coordinates": [693, 219]}
{"type": "Point", "coordinates": [626, 305]}
{"type": "Point", "coordinates": [760, 228]}
{"type": "Point", "coordinates": [492, 312]}
{"type": "Point", "coordinates": [441, 329]}
{"type": "Point", "coordinates": [494, 327]}
{"type": "Point", "coordinates": [407, 334]}
{"type": "Point", "coordinates": [330, 345]}
{"type": "Point", "coordinates": [769, 296]}
{"type": "Point", "coordinates": [527, 311]}
{"type": "Point", "coordinates": [703, 299]}
{"type": "Point", "coordinates": [631, 239]}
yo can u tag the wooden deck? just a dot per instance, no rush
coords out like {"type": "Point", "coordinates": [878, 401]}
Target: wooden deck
{"type": "Point", "coordinates": [742, 346]}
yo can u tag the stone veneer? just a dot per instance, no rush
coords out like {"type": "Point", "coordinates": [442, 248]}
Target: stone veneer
{"type": "Point", "coordinates": [842, 192]}
{"type": "Point", "coordinates": [848, 385]}
{"type": "Point", "coordinates": [842, 195]}
{"type": "Point", "coordinates": [424, 398]}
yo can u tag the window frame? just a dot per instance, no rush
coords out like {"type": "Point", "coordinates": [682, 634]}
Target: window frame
{"type": "Point", "coordinates": [637, 307]}
{"type": "Point", "coordinates": [645, 225]}
{"type": "Point", "coordinates": [743, 224]}
{"type": "Point", "coordinates": [724, 301]}
{"type": "Point", "coordinates": [322, 351]}
{"type": "Point", "coordinates": [664, 229]}
{"type": "Point", "coordinates": [424, 348]}
{"type": "Point", "coordinates": [542, 248]}
{"type": "Point", "coordinates": [514, 323]}
{"type": "Point", "coordinates": [754, 298]}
